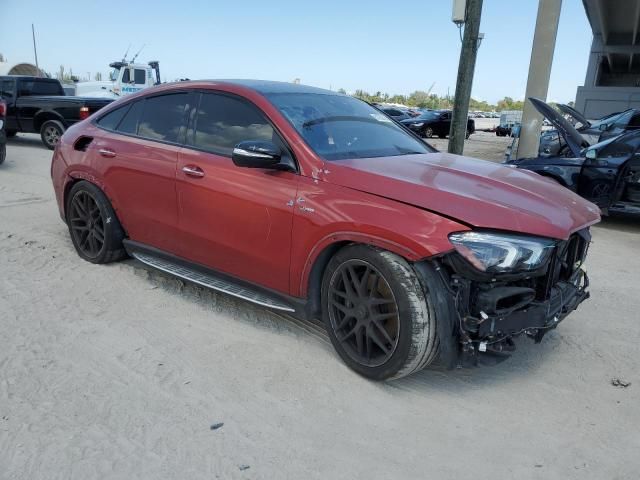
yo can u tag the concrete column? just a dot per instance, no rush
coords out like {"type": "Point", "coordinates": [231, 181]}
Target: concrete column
{"type": "Point", "coordinates": [544, 44]}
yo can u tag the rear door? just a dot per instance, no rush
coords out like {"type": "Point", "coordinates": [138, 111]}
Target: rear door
{"type": "Point", "coordinates": [7, 93]}
{"type": "Point", "coordinates": [232, 219]}
{"type": "Point", "coordinates": [138, 153]}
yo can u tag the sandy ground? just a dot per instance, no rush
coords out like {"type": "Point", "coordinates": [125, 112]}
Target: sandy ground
{"type": "Point", "coordinates": [116, 372]}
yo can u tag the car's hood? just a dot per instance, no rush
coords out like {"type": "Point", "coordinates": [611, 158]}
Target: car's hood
{"type": "Point", "coordinates": [571, 136]}
{"type": "Point", "coordinates": [572, 112]}
{"type": "Point", "coordinates": [476, 192]}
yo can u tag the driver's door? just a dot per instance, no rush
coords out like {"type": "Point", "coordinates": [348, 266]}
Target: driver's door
{"type": "Point", "coordinates": [232, 219]}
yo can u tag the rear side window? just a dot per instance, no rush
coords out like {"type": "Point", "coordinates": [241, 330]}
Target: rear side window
{"type": "Point", "coordinates": [222, 122]}
{"type": "Point", "coordinates": [6, 88]}
{"type": "Point", "coordinates": [40, 87]}
{"type": "Point", "coordinates": [163, 117]}
{"type": "Point", "coordinates": [111, 120]}
{"type": "Point", "coordinates": [129, 123]}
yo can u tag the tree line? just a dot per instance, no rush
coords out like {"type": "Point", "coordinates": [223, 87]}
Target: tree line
{"type": "Point", "coordinates": [422, 99]}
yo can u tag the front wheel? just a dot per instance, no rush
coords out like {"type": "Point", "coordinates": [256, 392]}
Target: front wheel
{"type": "Point", "coordinates": [376, 313]}
{"type": "Point", "coordinates": [428, 132]}
{"type": "Point", "coordinates": [50, 133]}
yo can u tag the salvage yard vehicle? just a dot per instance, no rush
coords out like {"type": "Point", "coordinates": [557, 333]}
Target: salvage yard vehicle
{"type": "Point", "coordinates": [436, 122]}
{"type": "Point", "coordinates": [316, 204]}
{"type": "Point", "coordinates": [607, 173]}
{"type": "Point", "coordinates": [552, 143]}
{"type": "Point", "coordinates": [3, 135]}
{"type": "Point", "coordinates": [126, 77]}
{"type": "Point", "coordinates": [39, 105]}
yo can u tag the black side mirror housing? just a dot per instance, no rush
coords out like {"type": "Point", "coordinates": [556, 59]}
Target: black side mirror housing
{"type": "Point", "coordinates": [256, 154]}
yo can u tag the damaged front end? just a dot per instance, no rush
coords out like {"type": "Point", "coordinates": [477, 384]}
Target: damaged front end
{"type": "Point", "coordinates": [507, 286]}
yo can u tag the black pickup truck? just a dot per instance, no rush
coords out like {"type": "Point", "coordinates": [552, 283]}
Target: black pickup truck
{"type": "Point", "coordinates": [39, 105]}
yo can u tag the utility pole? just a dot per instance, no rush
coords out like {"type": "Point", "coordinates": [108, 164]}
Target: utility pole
{"type": "Point", "coordinates": [464, 82]}
{"type": "Point", "coordinates": [544, 44]}
{"type": "Point", "coordinates": [35, 52]}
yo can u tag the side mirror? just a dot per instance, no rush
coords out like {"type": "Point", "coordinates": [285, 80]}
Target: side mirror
{"type": "Point", "coordinates": [256, 154]}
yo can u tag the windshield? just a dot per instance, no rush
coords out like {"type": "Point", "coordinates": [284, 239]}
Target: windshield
{"type": "Point", "coordinates": [113, 76]}
{"type": "Point", "coordinates": [338, 126]}
{"type": "Point", "coordinates": [612, 118]}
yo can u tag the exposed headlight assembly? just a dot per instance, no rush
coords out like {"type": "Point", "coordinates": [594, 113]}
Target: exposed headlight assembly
{"type": "Point", "coordinates": [419, 124]}
{"type": "Point", "coordinates": [503, 253]}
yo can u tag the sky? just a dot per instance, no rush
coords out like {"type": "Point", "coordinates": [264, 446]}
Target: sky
{"type": "Point", "coordinates": [394, 47]}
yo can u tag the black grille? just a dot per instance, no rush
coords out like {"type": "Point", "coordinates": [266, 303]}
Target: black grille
{"type": "Point", "coordinates": [567, 258]}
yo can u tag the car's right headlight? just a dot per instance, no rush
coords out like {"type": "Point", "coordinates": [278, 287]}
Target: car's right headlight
{"type": "Point", "coordinates": [503, 252]}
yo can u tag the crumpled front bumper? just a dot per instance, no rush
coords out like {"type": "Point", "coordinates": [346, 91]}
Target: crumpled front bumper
{"type": "Point", "coordinates": [489, 312]}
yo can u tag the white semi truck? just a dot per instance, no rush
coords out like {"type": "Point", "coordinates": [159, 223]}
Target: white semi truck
{"type": "Point", "coordinates": [125, 78]}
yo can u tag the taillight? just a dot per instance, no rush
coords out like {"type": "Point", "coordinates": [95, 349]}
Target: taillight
{"type": "Point", "coordinates": [84, 112]}
{"type": "Point", "coordinates": [3, 109]}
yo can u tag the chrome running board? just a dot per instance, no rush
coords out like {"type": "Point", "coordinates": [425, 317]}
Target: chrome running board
{"type": "Point", "coordinates": [210, 281]}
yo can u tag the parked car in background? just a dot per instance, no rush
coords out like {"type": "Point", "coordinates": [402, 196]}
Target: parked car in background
{"type": "Point", "coordinates": [3, 135]}
{"type": "Point", "coordinates": [39, 105]}
{"type": "Point", "coordinates": [508, 120]}
{"type": "Point", "coordinates": [395, 113]}
{"type": "Point", "coordinates": [314, 203]}
{"type": "Point", "coordinates": [607, 173]}
{"type": "Point", "coordinates": [436, 122]}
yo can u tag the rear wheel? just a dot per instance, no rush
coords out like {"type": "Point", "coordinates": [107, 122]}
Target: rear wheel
{"type": "Point", "coordinates": [50, 133]}
{"type": "Point", "coordinates": [376, 313]}
{"type": "Point", "coordinates": [95, 230]}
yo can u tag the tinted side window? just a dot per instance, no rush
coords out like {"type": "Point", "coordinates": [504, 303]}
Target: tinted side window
{"type": "Point", "coordinates": [140, 76]}
{"type": "Point", "coordinates": [111, 120]}
{"type": "Point", "coordinates": [40, 87]}
{"type": "Point", "coordinates": [163, 117]}
{"type": "Point", "coordinates": [6, 88]}
{"type": "Point", "coordinates": [222, 122]}
{"type": "Point", "coordinates": [129, 123]}
{"type": "Point", "coordinates": [125, 76]}
{"type": "Point", "coordinates": [623, 147]}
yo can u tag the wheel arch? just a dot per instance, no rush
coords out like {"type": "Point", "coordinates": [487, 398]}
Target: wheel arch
{"type": "Point", "coordinates": [79, 176]}
{"type": "Point", "coordinates": [319, 257]}
{"type": "Point", "coordinates": [44, 116]}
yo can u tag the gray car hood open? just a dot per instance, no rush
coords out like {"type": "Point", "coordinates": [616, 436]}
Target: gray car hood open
{"type": "Point", "coordinates": [571, 136]}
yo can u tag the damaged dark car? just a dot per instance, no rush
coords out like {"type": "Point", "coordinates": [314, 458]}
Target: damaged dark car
{"type": "Point", "coordinates": [607, 173]}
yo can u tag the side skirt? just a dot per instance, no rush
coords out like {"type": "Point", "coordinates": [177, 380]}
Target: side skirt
{"type": "Point", "coordinates": [213, 280]}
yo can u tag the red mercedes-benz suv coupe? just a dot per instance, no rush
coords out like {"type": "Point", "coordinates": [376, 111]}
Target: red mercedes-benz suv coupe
{"type": "Point", "coordinates": [317, 204]}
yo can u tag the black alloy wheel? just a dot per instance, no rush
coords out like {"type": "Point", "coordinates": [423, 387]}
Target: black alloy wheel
{"type": "Point", "coordinates": [86, 224]}
{"type": "Point", "coordinates": [363, 313]}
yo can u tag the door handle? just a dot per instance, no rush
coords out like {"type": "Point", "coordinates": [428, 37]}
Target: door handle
{"type": "Point", "coordinates": [193, 171]}
{"type": "Point", "coordinates": [105, 152]}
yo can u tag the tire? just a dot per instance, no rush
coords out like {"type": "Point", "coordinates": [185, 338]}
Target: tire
{"type": "Point", "coordinates": [428, 132]}
{"type": "Point", "coordinates": [403, 339]}
{"type": "Point", "coordinates": [467, 135]}
{"type": "Point", "coordinates": [50, 133]}
{"type": "Point", "coordinates": [3, 152]}
{"type": "Point", "coordinates": [93, 225]}
{"type": "Point", "coordinates": [11, 133]}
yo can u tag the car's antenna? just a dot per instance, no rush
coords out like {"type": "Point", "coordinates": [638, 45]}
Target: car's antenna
{"type": "Point", "coordinates": [136, 55]}
{"type": "Point", "coordinates": [124, 57]}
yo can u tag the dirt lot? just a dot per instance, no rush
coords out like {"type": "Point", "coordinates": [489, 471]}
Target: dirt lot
{"type": "Point", "coordinates": [118, 372]}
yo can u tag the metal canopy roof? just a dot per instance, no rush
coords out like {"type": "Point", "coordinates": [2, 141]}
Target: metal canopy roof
{"type": "Point", "coordinates": [617, 22]}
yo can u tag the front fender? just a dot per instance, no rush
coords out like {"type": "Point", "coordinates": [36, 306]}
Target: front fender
{"type": "Point", "coordinates": [333, 215]}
